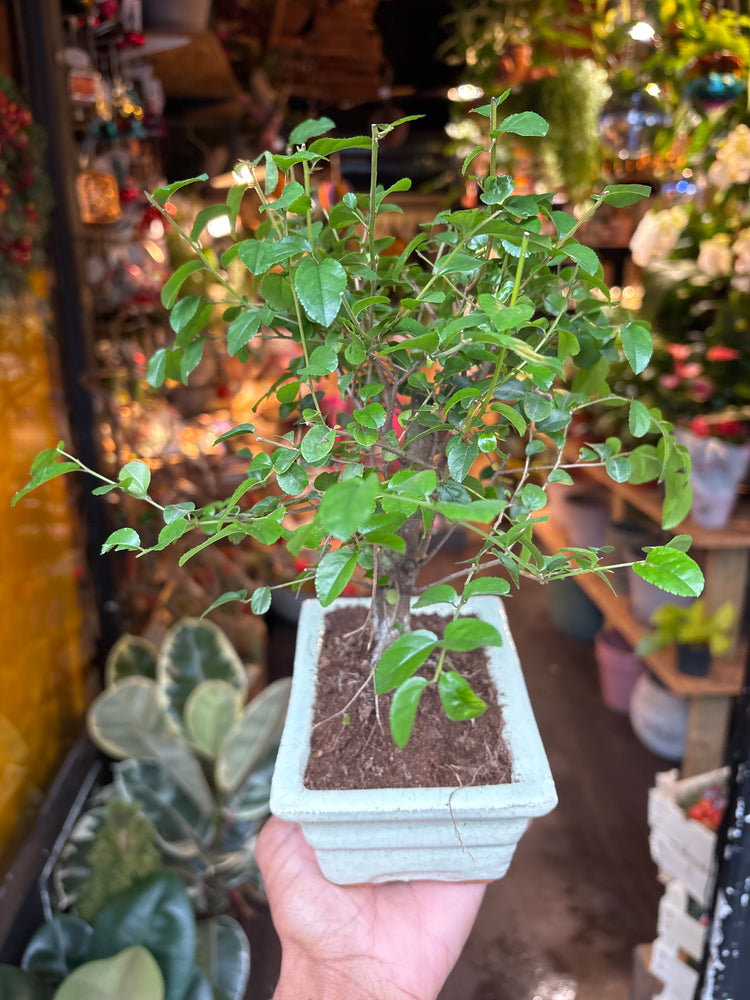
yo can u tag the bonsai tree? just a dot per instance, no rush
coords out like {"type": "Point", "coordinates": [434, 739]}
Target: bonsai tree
{"type": "Point", "coordinates": [460, 364]}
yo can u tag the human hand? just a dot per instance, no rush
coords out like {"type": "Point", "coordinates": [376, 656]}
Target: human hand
{"type": "Point", "coordinates": [390, 941]}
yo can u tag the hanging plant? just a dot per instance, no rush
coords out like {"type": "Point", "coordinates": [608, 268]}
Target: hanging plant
{"type": "Point", "coordinates": [24, 191]}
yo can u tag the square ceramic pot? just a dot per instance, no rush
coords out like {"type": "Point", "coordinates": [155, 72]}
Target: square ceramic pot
{"type": "Point", "coordinates": [381, 835]}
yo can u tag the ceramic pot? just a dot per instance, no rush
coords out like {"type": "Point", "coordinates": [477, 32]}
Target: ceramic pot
{"type": "Point", "coordinates": [659, 718]}
{"type": "Point", "coordinates": [586, 516]}
{"type": "Point", "coordinates": [693, 660]}
{"type": "Point", "coordinates": [717, 469]}
{"type": "Point", "coordinates": [645, 598]}
{"type": "Point", "coordinates": [619, 669]}
{"type": "Point", "coordinates": [572, 610]}
{"type": "Point", "coordinates": [381, 835]}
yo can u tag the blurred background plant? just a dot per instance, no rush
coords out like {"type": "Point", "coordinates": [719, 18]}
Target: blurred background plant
{"type": "Point", "coordinates": [25, 196]}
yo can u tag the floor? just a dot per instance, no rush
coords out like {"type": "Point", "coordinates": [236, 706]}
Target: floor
{"type": "Point", "coordinates": [582, 891]}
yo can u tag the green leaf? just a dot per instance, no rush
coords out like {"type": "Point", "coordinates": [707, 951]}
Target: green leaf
{"type": "Point", "coordinates": [639, 418]}
{"type": "Point", "coordinates": [470, 633]}
{"type": "Point", "coordinates": [210, 711]}
{"type": "Point", "coordinates": [487, 585]}
{"type": "Point", "coordinates": [621, 195]}
{"type": "Point", "coordinates": [253, 736]}
{"type": "Point", "coordinates": [618, 468]}
{"type": "Point", "coordinates": [173, 284]}
{"type": "Point", "coordinates": [323, 361]}
{"type": "Point", "coordinates": [497, 189]}
{"type": "Point", "coordinates": [226, 598]}
{"type": "Point", "coordinates": [222, 952]}
{"type": "Point", "coordinates": [134, 478]}
{"type": "Point", "coordinates": [242, 329]}
{"type": "Point", "coordinates": [18, 985]}
{"type": "Point", "coordinates": [56, 948]}
{"type": "Point", "coordinates": [533, 497]}
{"type": "Point", "coordinates": [458, 699]}
{"type": "Point", "coordinates": [234, 202]}
{"type": "Point", "coordinates": [637, 345]}
{"type": "Point", "coordinates": [480, 511]}
{"type": "Point", "coordinates": [122, 540]}
{"type": "Point", "coordinates": [133, 972]}
{"type": "Point", "coordinates": [441, 593]}
{"type": "Point", "coordinates": [293, 481]}
{"type": "Point", "coordinates": [204, 216]}
{"type": "Point", "coordinates": [536, 407]}
{"type": "Point", "coordinates": [346, 507]}
{"type": "Point", "coordinates": [163, 194]}
{"type": "Point", "coordinates": [191, 359]}
{"type": "Point", "coordinates": [525, 123]}
{"type": "Point", "coordinates": [402, 658]}
{"type": "Point", "coordinates": [184, 312]}
{"type": "Point", "coordinates": [461, 456]}
{"type": "Point", "coordinates": [156, 913]}
{"type": "Point", "coordinates": [333, 573]}
{"type": "Point", "coordinates": [260, 602]}
{"type": "Point", "coordinates": [671, 570]}
{"type": "Point", "coordinates": [130, 720]}
{"type": "Point", "coordinates": [404, 708]}
{"type": "Point", "coordinates": [235, 432]}
{"type": "Point", "coordinates": [320, 287]}
{"type": "Point", "coordinates": [173, 531]}
{"type": "Point", "coordinates": [131, 656]}
{"type": "Point", "coordinates": [514, 418]}
{"type": "Point", "coordinates": [156, 370]}
{"type": "Point", "coordinates": [324, 147]}
{"type": "Point", "coordinates": [196, 650]}
{"type": "Point", "coordinates": [505, 317]}
{"type": "Point", "coordinates": [310, 129]}
{"type": "Point", "coordinates": [180, 824]}
{"type": "Point", "coordinates": [582, 255]}
{"type": "Point", "coordinates": [44, 476]}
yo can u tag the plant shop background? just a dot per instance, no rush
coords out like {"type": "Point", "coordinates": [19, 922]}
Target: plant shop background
{"type": "Point", "coordinates": [124, 95]}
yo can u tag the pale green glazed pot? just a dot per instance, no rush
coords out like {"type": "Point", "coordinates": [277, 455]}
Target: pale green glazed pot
{"type": "Point", "coordinates": [381, 835]}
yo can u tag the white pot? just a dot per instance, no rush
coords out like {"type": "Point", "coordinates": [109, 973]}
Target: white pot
{"type": "Point", "coordinates": [717, 469]}
{"type": "Point", "coordinates": [381, 835]}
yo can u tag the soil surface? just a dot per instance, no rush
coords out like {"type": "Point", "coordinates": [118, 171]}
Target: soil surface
{"type": "Point", "coordinates": [353, 748]}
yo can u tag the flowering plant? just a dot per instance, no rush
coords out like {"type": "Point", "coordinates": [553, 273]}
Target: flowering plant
{"type": "Point", "coordinates": [24, 190]}
{"type": "Point", "coordinates": [696, 277]}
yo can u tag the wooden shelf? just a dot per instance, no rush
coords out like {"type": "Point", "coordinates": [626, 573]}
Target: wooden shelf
{"type": "Point", "coordinates": [648, 500]}
{"type": "Point", "coordinates": [726, 673]}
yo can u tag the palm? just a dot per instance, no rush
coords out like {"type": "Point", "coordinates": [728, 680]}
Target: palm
{"type": "Point", "coordinates": [405, 934]}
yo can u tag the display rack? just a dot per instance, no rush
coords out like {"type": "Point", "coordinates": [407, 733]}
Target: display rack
{"type": "Point", "coordinates": [724, 555]}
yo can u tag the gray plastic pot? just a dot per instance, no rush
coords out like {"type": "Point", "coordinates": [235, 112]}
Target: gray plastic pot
{"type": "Point", "coordinates": [380, 835]}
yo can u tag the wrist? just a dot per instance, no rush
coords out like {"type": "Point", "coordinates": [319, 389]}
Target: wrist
{"type": "Point", "coordinates": [301, 978]}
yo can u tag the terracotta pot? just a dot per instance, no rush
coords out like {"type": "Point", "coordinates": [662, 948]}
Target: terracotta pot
{"type": "Point", "coordinates": [619, 669]}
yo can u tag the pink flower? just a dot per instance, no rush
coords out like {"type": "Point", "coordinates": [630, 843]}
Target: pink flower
{"type": "Point", "coordinates": [700, 426]}
{"type": "Point", "coordinates": [680, 352]}
{"type": "Point", "coordinates": [722, 353]}
{"type": "Point", "coordinates": [690, 370]}
{"type": "Point", "coordinates": [702, 389]}
{"type": "Point", "coordinates": [669, 381]}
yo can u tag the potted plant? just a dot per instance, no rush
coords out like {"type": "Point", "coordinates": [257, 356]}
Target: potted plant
{"type": "Point", "coordinates": [459, 365]}
{"type": "Point", "coordinates": [697, 633]}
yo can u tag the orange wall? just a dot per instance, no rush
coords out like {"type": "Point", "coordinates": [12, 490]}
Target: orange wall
{"type": "Point", "coordinates": [44, 637]}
